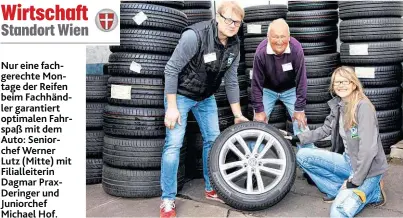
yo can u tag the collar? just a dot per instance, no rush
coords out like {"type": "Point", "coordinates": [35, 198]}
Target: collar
{"type": "Point", "coordinates": [336, 101]}
{"type": "Point", "coordinates": [270, 51]}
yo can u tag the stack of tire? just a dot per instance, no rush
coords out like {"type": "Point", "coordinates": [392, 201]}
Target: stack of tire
{"type": "Point", "coordinates": [197, 11]}
{"type": "Point", "coordinates": [257, 20]}
{"type": "Point", "coordinates": [314, 25]}
{"type": "Point", "coordinates": [134, 117]}
{"type": "Point", "coordinates": [372, 33]}
{"type": "Point", "coordinates": [96, 102]}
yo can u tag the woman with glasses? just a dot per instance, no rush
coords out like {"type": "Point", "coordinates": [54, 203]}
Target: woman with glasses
{"type": "Point", "coordinates": [353, 179]}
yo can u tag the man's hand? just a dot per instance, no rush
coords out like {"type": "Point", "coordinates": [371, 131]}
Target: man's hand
{"type": "Point", "coordinates": [172, 116]}
{"type": "Point", "coordinates": [300, 117]}
{"type": "Point", "coordinates": [261, 117]}
{"type": "Point", "coordinates": [240, 119]}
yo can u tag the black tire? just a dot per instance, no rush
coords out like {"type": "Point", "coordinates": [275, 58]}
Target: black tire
{"type": "Point", "coordinates": [141, 40]}
{"type": "Point", "coordinates": [312, 18]}
{"type": "Point", "coordinates": [371, 29]}
{"type": "Point", "coordinates": [388, 139]}
{"type": "Point", "coordinates": [264, 26]}
{"type": "Point", "coordinates": [389, 120]}
{"type": "Point", "coordinates": [145, 92]}
{"type": "Point", "coordinates": [135, 183]}
{"type": "Point", "coordinates": [158, 17]}
{"type": "Point", "coordinates": [171, 4]}
{"type": "Point", "coordinates": [265, 12]}
{"type": "Point", "coordinates": [242, 83]}
{"type": "Point", "coordinates": [385, 98]}
{"type": "Point", "coordinates": [137, 153]}
{"type": "Point", "coordinates": [315, 34]}
{"type": "Point", "coordinates": [222, 100]}
{"type": "Point", "coordinates": [310, 5]}
{"type": "Point", "coordinates": [197, 15]}
{"type": "Point", "coordinates": [318, 48]}
{"type": "Point", "coordinates": [249, 202]}
{"type": "Point", "coordinates": [96, 87]}
{"type": "Point", "coordinates": [93, 171]}
{"type": "Point", "coordinates": [318, 90]}
{"type": "Point", "coordinates": [321, 65]}
{"type": "Point", "coordinates": [385, 76]}
{"type": "Point", "coordinates": [152, 65]}
{"type": "Point", "coordinates": [249, 59]}
{"type": "Point", "coordinates": [241, 69]}
{"type": "Point", "coordinates": [137, 122]}
{"type": "Point", "coordinates": [317, 113]}
{"type": "Point", "coordinates": [225, 119]}
{"type": "Point", "coordinates": [278, 114]}
{"type": "Point", "coordinates": [197, 4]}
{"type": "Point", "coordinates": [251, 44]}
{"type": "Point", "coordinates": [95, 142]}
{"type": "Point", "coordinates": [378, 53]}
{"type": "Point", "coordinates": [94, 115]}
{"type": "Point", "coordinates": [370, 9]}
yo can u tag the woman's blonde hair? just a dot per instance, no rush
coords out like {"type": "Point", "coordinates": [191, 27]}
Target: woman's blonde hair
{"type": "Point", "coordinates": [355, 97]}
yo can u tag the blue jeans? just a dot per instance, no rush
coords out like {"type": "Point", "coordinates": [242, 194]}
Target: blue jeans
{"type": "Point", "coordinates": [288, 98]}
{"type": "Point", "coordinates": [206, 114]}
{"type": "Point", "coordinates": [329, 170]}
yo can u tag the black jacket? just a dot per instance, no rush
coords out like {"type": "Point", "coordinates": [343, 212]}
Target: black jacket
{"type": "Point", "coordinates": [199, 79]}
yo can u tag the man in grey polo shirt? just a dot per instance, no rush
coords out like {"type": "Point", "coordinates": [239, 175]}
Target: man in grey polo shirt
{"type": "Point", "coordinates": [207, 52]}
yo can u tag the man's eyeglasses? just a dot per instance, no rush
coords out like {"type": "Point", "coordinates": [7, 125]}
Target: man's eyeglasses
{"type": "Point", "coordinates": [229, 21]}
{"type": "Point", "coordinates": [338, 83]}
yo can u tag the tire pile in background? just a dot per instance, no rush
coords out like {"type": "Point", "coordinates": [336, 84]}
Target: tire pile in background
{"type": "Point", "coordinates": [134, 116]}
{"type": "Point", "coordinates": [96, 102]}
{"type": "Point", "coordinates": [371, 34]}
{"type": "Point", "coordinates": [197, 11]}
{"type": "Point", "coordinates": [314, 25]}
{"type": "Point", "coordinates": [257, 20]}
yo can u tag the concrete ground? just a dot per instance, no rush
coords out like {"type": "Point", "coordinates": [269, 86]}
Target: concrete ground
{"type": "Point", "coordinates": [303, 200]}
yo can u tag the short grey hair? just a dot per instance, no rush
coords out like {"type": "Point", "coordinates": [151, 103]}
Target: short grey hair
{"type": "Point", "coordinates": [279, 20]}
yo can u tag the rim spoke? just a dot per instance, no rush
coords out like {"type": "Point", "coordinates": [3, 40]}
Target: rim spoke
{"type": "Point", "coordinates": [236, 150]}
{"type": "Point", "coordinates": [243, 144]}
{"type": "Point", "coordinates": [273, 161]}
{"type": "Point", "coordinates": [271, 171]}
{"type": "Point", "coordinates": [249, 183]}
{"type": "Point", "coordinates": [232, 165]}
{"type": "Point", "coordinates": [259, 180]}
{"type": "Point", "coordinates": [258, 143]}
{"type": "Point", "coordinates": [235, 174]}
{"type": "Point", "coordinates": [268, 145]}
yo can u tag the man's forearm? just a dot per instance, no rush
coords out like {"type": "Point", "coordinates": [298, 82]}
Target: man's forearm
{"type": "Point", "coordinates": [236, 109]}
{"type": "Point", "coordinates": [171, 100]}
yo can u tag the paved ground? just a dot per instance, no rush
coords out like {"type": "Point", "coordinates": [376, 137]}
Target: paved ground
{"type": "Point", "coordinates": [303, 201]}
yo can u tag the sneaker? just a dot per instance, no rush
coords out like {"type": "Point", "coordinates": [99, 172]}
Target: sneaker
{"type": "Point", "coordinates": [328, 199]}
{"type": "Point", "coordinates": [167, 209]}
{"type": "Point", "coordinates": [383, 201]}
{"type": "Point", "coordinates": [212, 195]}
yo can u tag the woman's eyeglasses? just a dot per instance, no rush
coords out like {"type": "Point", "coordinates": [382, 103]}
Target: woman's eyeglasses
{"type": "Point", "coordinates": [338, 83]}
